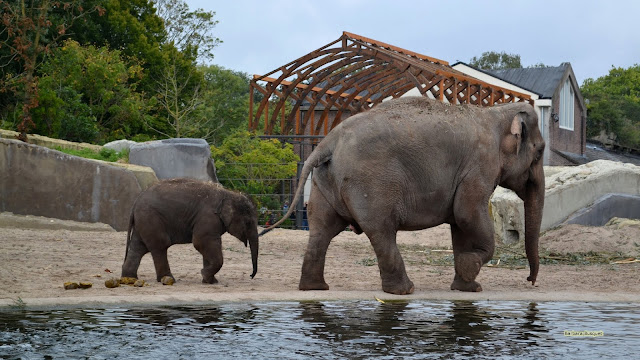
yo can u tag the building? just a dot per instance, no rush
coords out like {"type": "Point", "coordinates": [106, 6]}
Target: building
{"type": "Point", "coordinates": [557, 99]}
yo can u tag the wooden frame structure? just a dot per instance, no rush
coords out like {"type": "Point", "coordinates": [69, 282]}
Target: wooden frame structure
{"type": "Point", "coordinates": [354, 74]}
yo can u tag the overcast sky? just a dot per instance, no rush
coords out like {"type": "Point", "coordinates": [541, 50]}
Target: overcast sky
{"type": "Point", "coordinates": [262, 35]}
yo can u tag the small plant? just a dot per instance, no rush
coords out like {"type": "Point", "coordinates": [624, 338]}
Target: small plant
{"type": "Point", "coordinates": [19, 303]}
{"type": "Point", "coordinates": [367, 261]}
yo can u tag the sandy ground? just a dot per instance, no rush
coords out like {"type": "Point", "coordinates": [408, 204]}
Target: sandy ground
{"type": "Point", "coordinates": [38, 255]}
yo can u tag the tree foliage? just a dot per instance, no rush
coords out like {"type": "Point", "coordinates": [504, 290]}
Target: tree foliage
{"type": "Point", "coordinates": [89, 94]}
{"type": "Point", "coordinates": [190, 31]}
{"type": "Point", "coordinates": [225, 101]}
{"type": "Point", "coordinates": [29, 31]}
{"type": "Point", "coordinates": [492, 60]}
{"type": "Point", "coordinates": [252, 165]}
{"type": "Point", "coordinates": [127, 69]}
{"type": "Point", "coordinates": [614, 105]}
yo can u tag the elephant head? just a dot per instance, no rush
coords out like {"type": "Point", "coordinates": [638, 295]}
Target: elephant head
{"type": "Point", "coordinates": [521, 149]}
{"type": "Point", "coordinates": [239, 216]}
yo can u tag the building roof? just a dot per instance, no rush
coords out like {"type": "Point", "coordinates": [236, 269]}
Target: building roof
{"type": "Point", "coordinates": [543, 81]}
{"type": "Point", "coordinates": [596, 151]}
{"type": "Point", "coordinates": [353, 74]}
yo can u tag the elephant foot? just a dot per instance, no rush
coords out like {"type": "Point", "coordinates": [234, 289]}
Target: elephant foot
{"type": "Point", "coordinates": [313, 285]}
{"type": "Point", "coordinates": [469, 286]}
{"type": "Point", "coordinates": [209, 280]}
{"type": "Point", "coordinates": [467, 265]}
{"type": "Point", "coordinates": [404, 288]}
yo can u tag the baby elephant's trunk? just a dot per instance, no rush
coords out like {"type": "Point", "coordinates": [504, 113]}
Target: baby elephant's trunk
{"type": "Point", "coordinates": [253, 245]}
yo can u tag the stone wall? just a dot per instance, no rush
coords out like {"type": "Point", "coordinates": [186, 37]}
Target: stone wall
{"type": "Point", "coordinates": [35, 180]}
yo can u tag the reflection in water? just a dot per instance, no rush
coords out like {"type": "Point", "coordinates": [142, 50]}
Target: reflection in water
{"type": "Point", "coordinates": [290, 330]}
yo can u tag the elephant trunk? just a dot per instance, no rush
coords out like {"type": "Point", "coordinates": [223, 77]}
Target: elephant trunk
{"type": "Point", "coordinates": [253, 245]}
{"type": "Point", "coordinates": [533, 206]}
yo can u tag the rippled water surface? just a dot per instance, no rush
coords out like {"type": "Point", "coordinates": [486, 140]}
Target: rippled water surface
{"type": "Point", "coordinates": [332, 329]}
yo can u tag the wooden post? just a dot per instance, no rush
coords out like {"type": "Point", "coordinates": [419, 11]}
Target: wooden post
{"type": "Point", "coordinates": [266, 117]}
{"type": "Point", "coordinates": [252, 124]}
{"type": "Point", "coordinates": [312, 129]}
{"type": "Point", "coordinates": [441, 89]}
{"type": "Point", "coordinates": [455, 91]}
{"type": "Point", "coordinates": [282, 120]}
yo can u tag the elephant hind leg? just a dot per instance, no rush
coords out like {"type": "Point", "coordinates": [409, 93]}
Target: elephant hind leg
{"type": "Point", "coordinates": [159, 254]}
{"type": "Point", "coordinates": [136, 249]}
{"type": "Point", "coordinates": [211, 249]}
{"type": "Point", "coordinates": [324, 225]}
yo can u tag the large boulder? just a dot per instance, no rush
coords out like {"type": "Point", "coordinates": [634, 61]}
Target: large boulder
{"type": "Point", "coordinates": [35, 180]}
{"type": "Point", "coordinates": [173, 158]}
{"type": "Point", "coordinates": [570, 191]}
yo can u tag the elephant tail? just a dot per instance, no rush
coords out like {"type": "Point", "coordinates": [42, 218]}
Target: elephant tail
{"type": "Point", "coordinates": [319, 156]}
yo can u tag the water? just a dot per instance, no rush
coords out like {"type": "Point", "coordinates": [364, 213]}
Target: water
{"type": "Point", "coordinates": [324, 330]}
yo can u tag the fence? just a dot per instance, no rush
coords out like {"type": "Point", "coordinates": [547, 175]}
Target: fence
{"type": "Point", "coordinates": [272, 195]}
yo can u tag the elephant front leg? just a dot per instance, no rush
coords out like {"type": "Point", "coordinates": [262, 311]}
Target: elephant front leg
{"type": "Point", "coordinates": [468, 259]}
{"type": "Point", "coordinates": [211, 249]}
{"type": "Point", "coordinates": [161, 263]}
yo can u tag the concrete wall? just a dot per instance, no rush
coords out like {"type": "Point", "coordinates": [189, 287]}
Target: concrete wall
{"type": "Point", "coordinates": [35, 180]}
{"type": "Point", "coordinates": [49, 142]}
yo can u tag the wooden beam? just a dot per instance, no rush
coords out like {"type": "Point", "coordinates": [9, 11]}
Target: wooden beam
{"type": "Point", "coordinates": [395, 48]}
{"type": "Point", "coordinates": [299, 86]}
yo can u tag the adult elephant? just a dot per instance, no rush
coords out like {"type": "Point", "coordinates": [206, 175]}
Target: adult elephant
{"type": "Point", "coordinates": [414, 163]}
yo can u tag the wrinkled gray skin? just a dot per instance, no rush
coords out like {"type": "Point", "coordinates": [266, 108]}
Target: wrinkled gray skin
{"type": "Point", "coordinates": [414, 163]}
{"type": "Point", "coordinates": [181, 211]}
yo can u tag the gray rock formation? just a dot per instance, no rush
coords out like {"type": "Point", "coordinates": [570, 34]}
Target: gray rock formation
{"type": "Point", "coordinates": [173, 158]}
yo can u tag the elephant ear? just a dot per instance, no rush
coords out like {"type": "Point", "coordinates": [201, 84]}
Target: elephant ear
{"type": "Point", "coordinates": [225, 212]}
{"type": "Point", "coordinates": [517, 125]}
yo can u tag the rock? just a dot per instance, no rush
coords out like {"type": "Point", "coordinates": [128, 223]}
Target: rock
{"type": "Point", "coordinates": [70, 285]}
{"type": "Point", "coordinates": [112, 283]}
{"type": "Point", "coordinates": [568, 190]}
{"type": "Point", "coordinates": [167, 280]}
{"type": "Point", "coordinates": [173, 158]}
{"type": "Point", "coordinates": [120, 145]}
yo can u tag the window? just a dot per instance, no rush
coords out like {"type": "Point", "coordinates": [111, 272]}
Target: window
{"type": "Point", "coordinates": [566, 106]}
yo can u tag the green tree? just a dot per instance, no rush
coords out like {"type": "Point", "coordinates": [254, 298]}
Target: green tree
{"type": "Point", "coordinates": [131, 27]}
{"type": "Point", "coordinates": [190, 31]}
{"type": "Point", "coordinates": [251, 165]}
{"type": "Point", "coordinates": [29, 31]}
{"type": "Point", "coordinates": [225, 96]}
{"type": "Point", "coordinates": [492, 60]}
{"type": "Point", "coordinates": [89, 94]}
{"type": "Point", "coordinates": [614, 105]}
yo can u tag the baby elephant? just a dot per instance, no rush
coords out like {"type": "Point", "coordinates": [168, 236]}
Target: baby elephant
{"type": "Point", "coordinates": [180, 211]}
